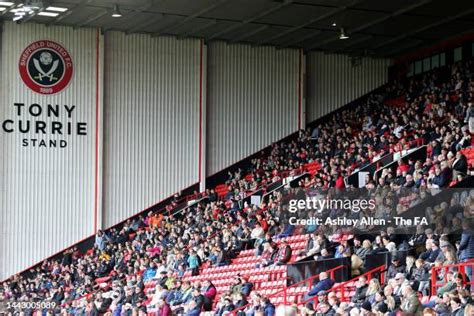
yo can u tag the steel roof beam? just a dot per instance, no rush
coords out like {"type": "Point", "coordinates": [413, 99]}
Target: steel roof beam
{"type": "Point", "coordinates": [248, 34]}
{"type": "Point", "coordinates": [167, 29]}
{"type": "Point", "coordinates": [196, 30]}
{"type": "Point", "coordinates": [422, 29]}
{"type": "Point", "coordinates": [250, 20]}
{"type": "Point", "coordinates": [379, 20]}
{"type": "Point", "coordinates": [312, 21]}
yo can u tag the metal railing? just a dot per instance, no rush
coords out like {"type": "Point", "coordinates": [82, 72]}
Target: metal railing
{"type": "Point", "coordinates": [285, 291]}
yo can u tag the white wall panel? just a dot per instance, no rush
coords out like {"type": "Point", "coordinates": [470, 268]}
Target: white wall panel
{"type": "Point", "coordinates": [47, 195]}
{"type": "Point", "coordinates": [151, 142]}
{"type": "Point", "coordinates": [252, 100]}
{"type": "Point", "coordinates": [332, 81]}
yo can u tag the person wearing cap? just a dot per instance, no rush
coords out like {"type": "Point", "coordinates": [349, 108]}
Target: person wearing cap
{"type": "Point", "coordinates": [395, 267]}
{"type": "Point", "coordinates": [430, 234]}
{"type": "Point", "coordinates": [447, 250]}
{"type": "Point", "coordinates": [162, 278]}
{"type": "Point", "coordinates": [366, 308]}
{"type": "Point", "coordinates": [322, 296]}
{"type": "Point", "coordinates": [247, 286]}
{"type": "Point", "coordinates": [324, 284]}
{"type": "Point", "coordinates": [400, 281]}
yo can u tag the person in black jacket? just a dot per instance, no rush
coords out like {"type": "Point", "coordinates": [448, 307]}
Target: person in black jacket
{"type": "Point", "coordinates": [420, 277]}
{"type": "Point", "coordinates": [432, 251]}
{"type": "Point", "coordinates": [459, 164]}
{"type": "Point", "coordinates": [198, 297]}
{"type": "Point", "coordinates": [360, 292]}
{"type": "Point", "coordinates": [419, 238]}
{"type": "Point", "coordinates": [395, 267]}
{"type": "Point", "coordinates": [240, 300]}
{"type": "Point", "coordinates": [227, 306]}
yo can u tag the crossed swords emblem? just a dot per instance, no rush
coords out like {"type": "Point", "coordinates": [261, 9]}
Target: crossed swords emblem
{"type": "Point", "coordinates": [42, 73]}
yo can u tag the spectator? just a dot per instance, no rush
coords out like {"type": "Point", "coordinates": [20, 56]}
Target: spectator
{"type": "Point", "coordinates": [226, 307]}
{"type": "Point", "coordinates": [466, 246]}
{"type": "Point", "coordinates": [268, 307]}
{"type": "Point", "coordinates": [196, 304]}
{"type": "Point", "coordinates": [163, 308]}
{"type": "Point", "coordinates": [456, 307]}
{"type": "Point", "coordinates": [410, 302]}
{"type": "Point", "coordinates": [379, 304]}
{"type": "Point", "coordinates": [470, 117]}
{"type": "Point", "coordinates": [449, 286]}
{"type": "Point", "coordinates": [360, 292]}
{"type": "Point", "coordinates": [420, 277]}
{"type": "Point", "coordinates": [209, 292]}
{"type": "Point", "coordinates": [364, 250]}
{"type": "Point", "coordinates": [432, 251]}
{"type": "Point", "coordinates": [193, 262]}
{"type": "Point", "coordinates": [325, 309]}
{"type": "Point", "coordinates": [284, 254]}
{"type": "Point", "coordinates": [324, 284]}
{"type": "Point", "coordinates": [266, 257]}
{"type": "Point", "coordinates": [459, 165]}
{"type": "Point", "coordinates": [395, 268]}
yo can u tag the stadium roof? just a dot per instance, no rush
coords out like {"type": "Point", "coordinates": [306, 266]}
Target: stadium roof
{"type": "Point", "coordinates": [384, 28]}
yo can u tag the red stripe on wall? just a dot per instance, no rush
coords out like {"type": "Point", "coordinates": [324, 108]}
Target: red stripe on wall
{"type": "Point", "coordinates": [200, 107]}
{"type": "Point", "coordinates": [96, 172]}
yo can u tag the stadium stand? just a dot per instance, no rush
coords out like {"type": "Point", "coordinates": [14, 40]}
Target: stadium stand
{"type": "Point", "coordinates": [223, 257]}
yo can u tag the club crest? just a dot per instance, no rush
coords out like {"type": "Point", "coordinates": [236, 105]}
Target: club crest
{"type": "Point", "coordinates": [46, 67]}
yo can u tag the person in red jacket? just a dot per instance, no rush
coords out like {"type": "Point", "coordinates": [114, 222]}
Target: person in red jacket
{"type": "Point", "coordinates": [340, 182]}
{"type": "Point", "coordinates": [163, 308]}
{"type": "Point", "coordinates": [263, 222]}
{"type": "Point", "coordinates": [209, 291]}
{"type": "Point", "coordinates": [284, 254]}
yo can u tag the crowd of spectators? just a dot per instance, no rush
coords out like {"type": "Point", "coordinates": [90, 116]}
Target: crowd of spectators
{"type": "Point", "coordinates": [408, 277]}
{"type": "Point", "coordinates": [111, 277]}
